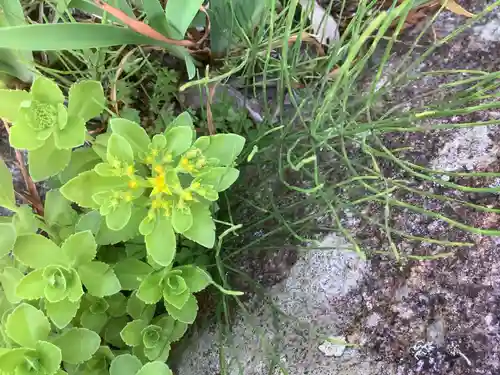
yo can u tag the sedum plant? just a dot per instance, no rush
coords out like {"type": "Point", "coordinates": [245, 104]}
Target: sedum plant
{"type": "Point", "coordinates": [94, 286]}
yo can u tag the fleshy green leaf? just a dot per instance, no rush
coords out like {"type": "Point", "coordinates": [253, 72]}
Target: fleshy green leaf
{"type": "Point", "coordinates": [7, 238]}
{"type": "Point", "coordinates": [99, 279]}
{"type": "Point", "coordinates": [131, 334]}
{"type": "Point", "coordinates": [61, 313]}
{"type": "Point", "coordinates": [182, 220]}
{"type": "Point", "coordinates": [90, 221]}
{"type": "Point", "coordinates": [58, 209]}
{"type": "Point", "coordinates": [184, 119]}
{"type": "Point", "coordinates": [37, 251]}
{"type": "Point", "coordinates": [47, 161]}
{"type": "Point", "coordinates": [176, 300]}
{"type": "Point", "coordinates": [73, 134]}
{"type": "Point", "coordinates": [22, 136]}
{"type": "Point", "coordinates": [46, 91]}
{"type": "Point", "coordinates": [155, 368]}
{"type": "Point", "coordinates": [150, 291]}
{"type": "Point", "coordinates": [77, 344]}
{"type": "Point", "coordinates": [131, 272]}
{"type": "Point", "coordinates": [221, 178]}
{"type": "Point", "coordinates": [135, 134]}
{"type": "Point", "coordinates": [119, 149]}
{"type": "Point", "coordinates": [117, 304]}
{"type": "Point", "coordinates": [179, 139]}
{"type": "Point", "coordinates": [26, 325]}
{"type": "Point", "coordinates": [80, 248]}
{"type": "Point", "coordinates": [81, 188]}
{"type": "Point", "coordinates": [188, 312]}
{"type": "Point", "coordinates": [25, 221]}
{"type": "Point", "coordinates": [32, 285]}
{"type": "Point", "coordinates": [196, 278]}
{"type": "Point", "coordinates": [174, 329]}
{"type": "Point", "coordinates": [161, 243]}
{"type": "Point", "coordinates": [94, 322]}
{"type": "Point", "coordinates": [10, 101]}
{"type": "Point", "coordinates": [203, 229]}
{"type": "Point", "coordinates": [7, 198]}
{"type": "Point", "coordinates": [107, 236]}
{"type": "Point", "coordinates": [118, 218]}
{"type": "Point", "coordinates": [137, 309]}
{"type": "Point", "coordinates": [82, 160]}
{"type": "Point", "coordinates": [86, 100]}
{"type": "Point", "coordinates": [49, 356]}
{"type": "Point", "coordinates": [125, 364]}
{"type": "Point", "coordinates": [74, 285]}
{"type": "Point", "coordinates": [224, 147]}
{"type": "Point", "coordinates": [10, 278]}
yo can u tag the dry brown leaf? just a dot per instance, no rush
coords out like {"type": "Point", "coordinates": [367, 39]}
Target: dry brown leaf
{"type": "Point", "coordinates": [456, 8]}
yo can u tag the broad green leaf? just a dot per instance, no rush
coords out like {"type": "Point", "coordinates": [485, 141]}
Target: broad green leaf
{"type": "Point", "coordinates": [77, 344]}
{"type": "Point", "coordinates": [179, 139]}
{"type": "Point", "coordinates": [180, 14]}
{"type": "Point", "coordinates": [37, 251]}
{"type": "Point", "coordinates": [155, 368]}
{"type": "Point", "coordinates": [203, 229]}
{"type": "Point", "coordinates": [159, 352]}
{"type": "Point", "coordinates": [106, 236]}
{"type": "Point", "coordinates": [7, 198]}
{"type": "Point", "coordinates": [113, 329]}
{"type": "Point", "coordinates": [61, 313]}
{"type": "Point", "coordinates": [100, 145]}
{"type": "Point", "coordinates": [86, 100]}
{"type": "Point", "coordinates": [90, 221]}
{"type": "Point", "coordinates": [137, 309]}
{"type": "Point", "coordinates": [73, 134]}
{"type": "Point", "coordinates": [176, 300]}
{"type": "Point", "coordinates": [187, 314]}
{"type": "Point", "coordinates": [26, 325]}
{"type": "Point", "coordinates": [131, 334]}
{"type": "Point", "coordinates": [125, 364]}
{"type": "Point", "coordinates": [182, 220]}
{"type": "Point", "coordinates": [80, 248]}
{"type": "Point", "coordinates": [118, 218]}
{"type": "Point", "coordinates": [82, 160]}
{"type": "Point", "coordinates": [196, 278]}
{"type": "Point", "coordinates": [32, 285]}
{"type": "Point", "coordinates": [184, 119]}
{"type": "Point", "coordinates": [58, 210]}
{"type": "Point", "coordinates": [47, 161]}
{"type": "Point", "coordinates": [131, 272]}
{"type": "Point", "coordinates": [81, 188]}
{"type": "Point", "coordinates": [94, 322]}
{"type": "Point", "coordinates": [74, 285]}
{"type": "Point", "coordinates": [7, 238]}
{"type": "Point", "coordinates": [174, 329]}
{"type": "Point", "coordinates": [10, 102]}
{"type": "Point", "coordinates": [221, 178]}
{"type": "Point", "coordinates": [10, 278]}
{"type": "Point", "coordinates": [99, 279]}
{"type": "Point", "coordinates": [150, 291]}
{"type": "Point", "coordinates": [147, 226]}
{"type": "Point", "coordinates": [50, 356]}
{"type": "Point", "coordinates": [11, 359]}
{"type": "Point", "coordinates": [119, 149]}
{"type": "Point", "coordinates": [224, 147]}
{"type": "Point", "coordinates": [22, 136]}
{"type": "Point", "coordinates": [117, 304]}
{"type": "Point", "coordinates": [46, 91]}
{"type": "Point", "coordinates": [135, 134]}
{"type": "Point", "coordinates": [151, 336]}
{"type": "Point", "coordinates": [161, 243]}
{"type": "Point", "coordinates": [25, 220]}
{"type": "Point", "coordinates": [55, 288]}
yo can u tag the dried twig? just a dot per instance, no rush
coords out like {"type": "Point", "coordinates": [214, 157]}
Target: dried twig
{"type": "Point", "coordinates": [33, 197]}
{"type": "Point", "coordinates": [210, 119]}
{"type": "Point", "coordinates": [119, 70]}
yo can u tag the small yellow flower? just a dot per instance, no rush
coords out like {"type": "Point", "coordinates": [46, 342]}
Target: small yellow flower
{"type": "Point", "coordinates": [127, 197]}
{"type": "Point", "coordinates": [184, 161]}
{"type": "Point", "coordinates": [156, 203]}
{"type": "Point", "coordinates": [196, 185]}
{"type": "Point", "coordinates": [187, 195]}
{"type": "Point", "coordinates": [159, 185]}
{"type": "Point", "coordinates": [149, 160]}
{"type": "Point", "coordinates": [154, 152]}
{"type": "Point", "coordinates": [168, 158]}
{"type": "Point", "coordinates": [130, 170]}
{"type": "Point", "coordinates": [132, 184]}
{"type": "Point", "coordinates": [159, 170]}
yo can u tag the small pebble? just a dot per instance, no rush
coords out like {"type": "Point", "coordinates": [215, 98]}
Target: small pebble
{"type": "Point", "coordinates": [333, 347]}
